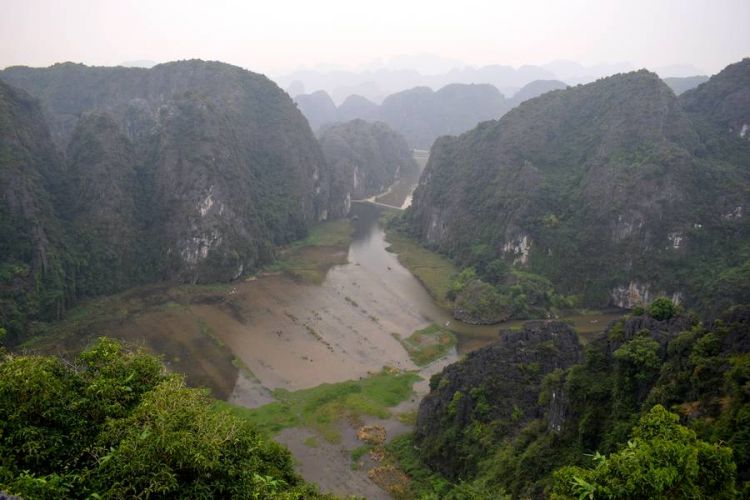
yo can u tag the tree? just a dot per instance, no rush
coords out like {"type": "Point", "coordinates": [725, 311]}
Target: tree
{"type": "Point", "coordinates": [114, 424]}
{"type": "Point", "coordinates": [662, 309]}
{"type": "Point", "coordinates": [662, 460]}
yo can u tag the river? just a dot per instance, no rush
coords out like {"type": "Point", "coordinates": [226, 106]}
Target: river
{"type": "Point", "coordinates": [248, 338]}
{"type": "Point", "coordinates": [288, 333]}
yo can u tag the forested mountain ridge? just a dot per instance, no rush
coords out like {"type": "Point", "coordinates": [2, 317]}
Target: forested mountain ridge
{"type": "Point", "coordinates": [723, 101]}
{"type": "Point", "coordinates": [535, 89]}
{"type": "Point", "coordinates": [537, 415]}
{"type": "Point", "coordinates": [613, 191]}
{"type": "Point", "coordinates": [190, 172]}
{"type": "Point", "coordinates": [365, 158]}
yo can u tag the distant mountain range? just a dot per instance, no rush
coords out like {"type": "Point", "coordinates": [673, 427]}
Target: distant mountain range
{"type": "Point", "coordinates": [378, 80]}
{"type": "Point", "coordinates": [420, 114]}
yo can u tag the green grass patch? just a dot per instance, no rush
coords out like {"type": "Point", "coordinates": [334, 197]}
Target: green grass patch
{"type": "Point", "coordinates": [426, 345]}
{"type": "Point", "coordinates": [310, 259]}
{"type": "Point", "coordinates": [424, 483]}
{"type": "Point", "coordinates": [320, 408]}
{"type": "Point", "coordinates": [311, 441]}
{"type": "Point", "coordinates": [334, 233]}
{"type": "Point", "coordinates": [433, 270]}
{"type": "Point", "coordinates": [243, 368]}
{"type": "Point", "coordinates": [206, 330]}
{"type": "Point", "coordinates": [408, 417]}
{"type": "Point", "coordinates": [360, 452]}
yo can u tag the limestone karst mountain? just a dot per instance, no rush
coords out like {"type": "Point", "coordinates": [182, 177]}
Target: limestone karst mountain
{"type": "Point", "coordinates": [189, 171]}
{"type": "Point", "coordinates": [615, 191]}
{"type": "Point", "coordinates": [365, 158]}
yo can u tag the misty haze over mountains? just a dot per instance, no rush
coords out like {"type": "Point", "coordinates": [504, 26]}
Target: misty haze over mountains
{"type": "Point", "coordinates": [423, 113]}
{"type": "Point", "coordinates": [378, 79]}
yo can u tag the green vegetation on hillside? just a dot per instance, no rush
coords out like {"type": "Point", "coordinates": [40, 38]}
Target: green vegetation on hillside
{"type": "Point", "coordinates": [608, 192]}
{"type": "Point", "coordinates": [101, 192]}
{"type": "Point", "coordinates": [113, 424]}
{"type": "Point", "coordinates": [496, 293]}
{"type": "Point", "coordinates": [35, 266]}
{"type": "Point", "coordinates": [601, 424]}
{"type": "Point", "coordinates": [662, 460]}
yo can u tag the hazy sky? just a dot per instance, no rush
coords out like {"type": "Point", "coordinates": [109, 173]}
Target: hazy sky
{"type": "Point", "coordinates": [274, 36]}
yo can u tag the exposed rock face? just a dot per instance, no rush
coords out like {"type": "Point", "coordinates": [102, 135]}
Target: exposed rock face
{"type": "Point", "coordinates": [632, 295]}
{"type": "Point", "coordinates": [103, 193]}
{"type": "Point", "coordinates": [365, 158]}
{"type": "Point", "coordinates": [499, 382]}
{"type": "Point", "coordinates": [216, 160]}
{"type": "Point", "coordinates": [32, 250]}
{"type": "Point", "coordinates": [607, 189]}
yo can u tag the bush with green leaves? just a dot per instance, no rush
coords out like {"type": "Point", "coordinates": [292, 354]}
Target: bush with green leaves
{"type": "Point", "coordinates": [662, 460]}
{"type": "Point", "coordinates": [112, 423]}
{"type": "Point", "coordinates": [662, 309]}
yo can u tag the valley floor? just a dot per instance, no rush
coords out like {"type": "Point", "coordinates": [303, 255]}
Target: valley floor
{"type": "Point", "coordinates": [330, 311]}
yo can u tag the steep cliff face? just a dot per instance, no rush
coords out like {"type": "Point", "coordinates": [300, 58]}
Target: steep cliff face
{"type": "Point", "coordinates": [226, 166]}
{"type": "Point", "coordinates": [105, 207]}
{"type": "Point", "coordinates": [365, 158]}
{"type": "Point", "coordinates": [498, 385]}
{"type": "Point", "coordinates": [605, 189]}
{"type": "Point", "coordinates": [32, 251]}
